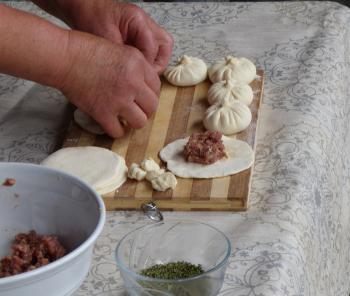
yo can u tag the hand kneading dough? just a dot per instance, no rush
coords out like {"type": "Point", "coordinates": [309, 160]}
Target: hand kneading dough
{"type": "Point", "coordinates": [135, 172]}
{"type": "Point", "coordinates": [101, 168]}
{"type": "Point", "coordinates": [87, 123]}
{"type": "Point", "coordinates": [242, 69]}
{"type": "Point", "coordinates": [164, 182]}
{"type": "Point", "coordinates": [240, 157]}
{"type": "Point", "coordinates": [230, 90]}
{"type": "Point", "coordinates": [227, 118]}
{"type": "Point", "coordinates": [189, 71]}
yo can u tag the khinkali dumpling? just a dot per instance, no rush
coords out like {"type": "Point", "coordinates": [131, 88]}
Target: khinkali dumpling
{"type": "Point", "coordinates": [227, 118]}
{"type": "Point", "coordinates": [189, 71]}
{"type": "Point", "coordinates": [242, 69]}
{"type": "Point", "coordinates": [230, 90]}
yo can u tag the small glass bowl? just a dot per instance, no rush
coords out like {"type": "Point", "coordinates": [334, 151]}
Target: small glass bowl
{"type": "Point", "coordinates": [173, 241]}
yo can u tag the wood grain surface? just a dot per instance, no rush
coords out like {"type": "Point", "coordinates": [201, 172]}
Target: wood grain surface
{"type": "Point", "coordinates": [179, 114]}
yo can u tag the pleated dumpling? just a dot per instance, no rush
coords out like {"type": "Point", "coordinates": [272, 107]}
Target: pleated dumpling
{"type": "Point", "coordinates": [227, 118]}
{"type": "Point", "coordinates": [242, 69]}
{"type": "Point", "coordinates": [188, 71]}
{"type": "Point", "coordinates": [230, 90]}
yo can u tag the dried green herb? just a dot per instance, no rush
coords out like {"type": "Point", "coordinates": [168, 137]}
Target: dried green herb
{"type": "Point", "coordinates": [173, 270]}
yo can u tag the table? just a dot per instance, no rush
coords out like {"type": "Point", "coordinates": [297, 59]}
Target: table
{"type": "Point", "coordinates": [295, 238]}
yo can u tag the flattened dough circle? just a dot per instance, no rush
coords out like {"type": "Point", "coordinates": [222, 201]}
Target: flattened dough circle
{"type": "Point", "coordinates": [99, 167]}
{"type": "Point", "coordinates": [240, 158]}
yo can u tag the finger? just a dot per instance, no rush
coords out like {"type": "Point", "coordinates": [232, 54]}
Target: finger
{"type": "Point", "coordinates": [111, 125]}
{"type": "Point", "coordinates": [165, 46]}
{"type": "Point", "coordinates": [147, 101]}
{"type": "Point", "coordinates": [163, 57]}
{"type": "Point", "coordinates": [145, 42]}
{"type": "Point", "coordinates": [152, 79]}
{"type": "Point", "coordinates": [134, 115]}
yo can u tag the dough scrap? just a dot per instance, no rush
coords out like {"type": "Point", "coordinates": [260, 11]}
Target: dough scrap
{"type": "Point", "coordinates": [154, 174]}
{"type": "Point", "coordinates": [99, 167]}
{"type": "Point", "coordinates": [240, 158]}
{"type": "Point", "coordinates": [164, 182]}
{"type": "Point", "coordinates": [188, 71]}
{"type": "Point", "coordinates": [135, 172]}
{"type": "Point", "coordinates": [148, 164]}
{"type": "Point", "coordinates": [87, 123]}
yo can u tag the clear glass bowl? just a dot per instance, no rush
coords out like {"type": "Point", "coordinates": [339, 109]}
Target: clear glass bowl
{"type": "Point", "coordinates": [172, 241]}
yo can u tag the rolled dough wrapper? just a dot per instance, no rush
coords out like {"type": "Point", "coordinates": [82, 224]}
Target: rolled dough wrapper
{"type": "Point", "coordinates": [87, 123]}
{"type": "Point", "coordinates": [99, 167]}
{"type": "Point", "coordinates": [240, 157]}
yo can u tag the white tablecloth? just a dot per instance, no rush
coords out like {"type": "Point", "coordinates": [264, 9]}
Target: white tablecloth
{"type": "Point", "coordinates": [295, 238]}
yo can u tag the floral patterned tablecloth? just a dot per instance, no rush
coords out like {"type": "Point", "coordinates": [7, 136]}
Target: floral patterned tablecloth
{"type": "Point", "coordinates": [295, 238]}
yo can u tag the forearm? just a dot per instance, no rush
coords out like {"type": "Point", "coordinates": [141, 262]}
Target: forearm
{"type": "Point", "coordinates": [32, 48]}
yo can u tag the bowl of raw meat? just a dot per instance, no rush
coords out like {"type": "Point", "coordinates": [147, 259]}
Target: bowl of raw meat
{"type": "Point", "coordinates": [49, 222]}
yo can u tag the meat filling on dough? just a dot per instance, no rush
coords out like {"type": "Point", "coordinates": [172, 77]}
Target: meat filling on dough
{"type": "Point", "coordinates": [205, 148]}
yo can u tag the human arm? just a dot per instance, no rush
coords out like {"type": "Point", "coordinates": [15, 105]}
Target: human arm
{"type": "Point", "coordinates": [102, 79]}
{"type": "Point", "coordinates": [120, 23]}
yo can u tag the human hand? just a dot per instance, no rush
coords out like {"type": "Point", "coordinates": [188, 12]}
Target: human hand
{"type": "Point", "coordinates": [109, 82]}
{"type": "Point", "coordinates": [122, 23]}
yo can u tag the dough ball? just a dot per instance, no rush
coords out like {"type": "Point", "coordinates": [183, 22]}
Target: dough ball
{"type": "Point", "coordinates": [188, 71]}
{"type": "Point", "coordinates": [227, 118]}
{"type": "Point", "coordinates": [164, 182]}
{"type": "Point", "coordinates": [230, 90]}
{"type": "Point", "coordinates": [87, 123]}
{"type": "Point", "coordinates": [101, 168]}
{"type": "Point", "coordinates": [135, 172]}
{"type": "Point", "coordinates": [240, 157]}
{"type": "Point", "coordinates": [242, 70]}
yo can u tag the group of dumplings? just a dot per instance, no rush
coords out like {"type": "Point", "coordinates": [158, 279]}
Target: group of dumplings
{"type": "Point", "coordinates": [230, 94]}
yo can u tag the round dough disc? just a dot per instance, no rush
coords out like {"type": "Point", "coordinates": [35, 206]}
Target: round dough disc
{"type": "Point", "coordinates": [240, 158]}
{"type": "Point", "coordinates": [99, 167]}
{"type": "Point", "coordinates": [87, 123]}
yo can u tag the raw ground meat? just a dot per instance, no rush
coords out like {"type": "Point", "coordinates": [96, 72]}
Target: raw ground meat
{"type": "Point", "coordinates": [205, 148]}
{"type": "Point", "coordinates": [30, 251]}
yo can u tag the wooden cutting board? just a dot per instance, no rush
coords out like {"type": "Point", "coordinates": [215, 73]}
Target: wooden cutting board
{"type": "Point", "coordinates": [179, 114]}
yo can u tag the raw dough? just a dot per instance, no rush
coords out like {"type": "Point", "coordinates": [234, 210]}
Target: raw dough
{"type": "Point", "coordinates": [240, 157]}
{"type": "Point", "coordinates": [164, 182]}
{"type": "Point", "coordinates": [227, 118]}
{"type": "Point", "coordinates": [135, 172]}
{"type": "Point", "coordinates": [242, 69]}
{"type": "Point", "coordinates": [87, 123]}
{"type": "Point", "coordinates": [99, 167]}
{"type": "Point", "coordinates": [189, 71]}
{"type": "Point", "coordinates": [154, 174]}
{"type": "Point", "coordinates": [148, 164]}
{"type": "Point", "coordinates": [230, 90]}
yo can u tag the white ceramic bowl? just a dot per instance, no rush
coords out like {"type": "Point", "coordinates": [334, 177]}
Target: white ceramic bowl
{"type": "Point", "coordinates": [50, 202]}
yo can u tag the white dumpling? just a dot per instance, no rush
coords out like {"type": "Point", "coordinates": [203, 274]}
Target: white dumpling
{"type": "Point", "coordinates": [227, 118]}
{"type": "Point", "coordinates": [189, 71]}
{"type": "Point", "coordinates": [242, 69]}
{"type": "Point", "coordinates": [230, 90]}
